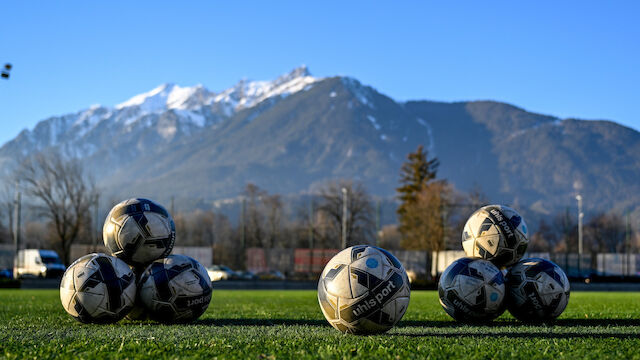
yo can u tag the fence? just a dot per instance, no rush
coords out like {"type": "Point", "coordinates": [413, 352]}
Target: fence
{"type": "Point", "coordinates": [608, 264]}
{"type": "Point", "coordinates": [291, 261]}
{"type": "Point", "coordinates": [312, 261]}
{"type": "Point", "coordinates": [203, 254]}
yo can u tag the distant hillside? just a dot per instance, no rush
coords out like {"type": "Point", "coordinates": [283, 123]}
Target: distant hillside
{"type": "Point", "coordinates": [291, 134]}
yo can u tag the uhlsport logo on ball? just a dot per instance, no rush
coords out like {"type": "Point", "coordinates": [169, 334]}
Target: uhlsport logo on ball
{"type": "Point", "coordinates": [98, 288]}
{"type": "Point", "coordinates": [363, 289]}
{"type": "Point", "coordinates": [496, 233]}
{"type": "Point", "coordinates": [139, 231]}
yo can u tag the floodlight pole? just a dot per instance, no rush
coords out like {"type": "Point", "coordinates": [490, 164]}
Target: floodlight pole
{"type": "Point", "coordinates": [311, 233]}
{"type": "Point", "coordinates": [243, 205]}
{"type": "Point", "coordinates": [16, 226]}
{"type": "Point", "coordinates": [627, 245]}
{"type": "Point", "coordinates": [243, 229]}
{"type": "Point", "coordinates": [96, 222]}
{"type": "Point", "coordinates": [344, 217]}
{"type": "Point", "coordinates": [580, 216]}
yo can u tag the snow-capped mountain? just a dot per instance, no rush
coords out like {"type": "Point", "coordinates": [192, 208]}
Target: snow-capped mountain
{"type": "Point", "coordinates": [169, 110]}
{"type": "Point", "coordinates": [293, 133]}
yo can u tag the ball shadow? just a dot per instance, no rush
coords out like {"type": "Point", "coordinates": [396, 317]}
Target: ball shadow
{"type": "Point", "coordinates": [516, 323]}
{"type": "Point", "coordinates": [522, 334]}
{"type": "Point", "coordinates": [526, 329]}
{"type": "Point", "coordinates": [259, 322]}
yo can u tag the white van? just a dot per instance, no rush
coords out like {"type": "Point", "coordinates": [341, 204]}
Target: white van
{"type": "Point", "coordinates": [38, 263]}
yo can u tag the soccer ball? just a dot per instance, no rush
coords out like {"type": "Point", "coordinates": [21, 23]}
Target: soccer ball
{"type": "Point", "coordinates": [472, 290]}
{"type": "Point", "coordinates": [139, 231]}
{"type": "Point", "coordinates": [496, 233]}
{"type": "Point", "coordinates": [98, 288]}
{"type": "Point", "coordinates": [537, 290]}
{"type": "Point", "coordinates": [175, 289]}
{"type": "Point", "coordinates": [363, 290]}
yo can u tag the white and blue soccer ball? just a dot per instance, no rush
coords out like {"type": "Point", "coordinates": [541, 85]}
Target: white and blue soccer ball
{"type": "Point", "coordinates": [175, 289]}
{"type": "Point", "coordinates": [472, 290]}
{"type": "Point", "coordinates": [496, 233]}
{"type": "Point", "coordinates": [363, 290]}
{"type": "Point", "coordinates": [537, 290]}
{"type": "Point", "coordinates": [139, 231]}
{"type": "Point", "coordinates": [98, 288]}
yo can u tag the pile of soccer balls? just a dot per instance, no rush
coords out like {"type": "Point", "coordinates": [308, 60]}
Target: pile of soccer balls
{"type": "Point", "coordinates": [363, 290]}
{"type": "Point", "coordinates": [140, 279]}
{"type": "Point", "coordinates": [474, 289]}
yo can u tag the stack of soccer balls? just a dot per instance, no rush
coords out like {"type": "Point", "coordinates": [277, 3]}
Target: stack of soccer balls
{"type": "Point", "coordinates": [140, 275]}
{"type": "Point", "coordinates": [363, 290]}
{"type": "Point", "coordinates": [474, 289]}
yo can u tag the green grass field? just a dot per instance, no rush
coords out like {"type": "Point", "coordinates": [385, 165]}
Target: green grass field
{"type": "Point", "coordinates": [289, 325]}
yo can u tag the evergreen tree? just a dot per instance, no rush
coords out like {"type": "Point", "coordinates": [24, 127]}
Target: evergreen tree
{"type": "Point", "coordinates": [415, 175]}
{"type": "Point", "coordinates": [424, 201]}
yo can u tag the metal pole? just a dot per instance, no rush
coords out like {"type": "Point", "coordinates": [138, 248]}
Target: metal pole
{"type": "Point", "coordinates": [243, 220]}
{"type": "Point", "coordinates": [16, 227]}
{"type": "Point", "coordinates": [311, 234]}
{"type": "Point", "coordinates": [627, 245]}
{"type": "Point", "coordinates": [97, 231]}
{"type": "Point", "coordinates": [244, 231]}
{"type": "Point", "coordinates": [213, 236]}
{"type": "Point", "coordinates": [344, 217]}
{"type": "Point", "coordinates": [580, 216]}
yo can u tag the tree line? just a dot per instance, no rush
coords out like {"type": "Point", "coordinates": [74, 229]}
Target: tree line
{"type": "Point", "coordinates": [430, 215]}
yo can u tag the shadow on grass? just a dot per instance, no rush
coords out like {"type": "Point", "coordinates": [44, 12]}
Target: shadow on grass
{"type": "Point", "coordinates": [428, 324]}
{"type": "Point", "coordinates": [260, 322]}
{"type": "Point", "coordinates": [522, 334]}
{"type": "Point", "coordinates": [515, 323]}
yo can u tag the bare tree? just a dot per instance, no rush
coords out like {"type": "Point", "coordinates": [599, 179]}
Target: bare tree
{"type": "Point", "coordinates": [566, 228]}
{"type": "Point", "coordinates": [360, 212]}
{"type": "Point", "coordinates": [7, 203]}
{"type": "Point", "coordinates": [606, 233]}
{"type": "Point", "coordinates": [543, 240]}
{"type": "Point", "coordinates": [425, 219]}
{"type": "Point", "coordinates": [64, 195]}
{"type": "Point", "coordinates": [36, 234]}
{"type": "Point", "coordinates": [254, 215]}
{"type": "Point", "coordinates": [224, 246]}
{"type": "Point", "coordinates": [390, 237]}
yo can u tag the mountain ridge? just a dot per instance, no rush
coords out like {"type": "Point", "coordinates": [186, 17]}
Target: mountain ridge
{"type": "Point", "coordinates": [291, 134]}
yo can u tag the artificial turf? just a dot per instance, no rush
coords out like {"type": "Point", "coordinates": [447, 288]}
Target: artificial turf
{"type": "Point", "coordinates": [289, 324]}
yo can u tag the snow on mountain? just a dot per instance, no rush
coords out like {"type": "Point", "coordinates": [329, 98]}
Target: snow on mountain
{"type": "Point", "coordinates": [169, 96]}
{"type": "Point", "coordinates": [247, 94]}
{"type": "Point", "coordinates": [193, 106]}
{"type": "Point", "coordinates": [361, 92]}
{"type": "Point", "coordinates": [244, 94]}
{"type": "Point", "coordinates": [88, 119]}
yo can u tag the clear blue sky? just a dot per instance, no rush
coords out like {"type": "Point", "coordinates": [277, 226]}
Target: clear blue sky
{"type": "Point", "coordinates": [569, 59]}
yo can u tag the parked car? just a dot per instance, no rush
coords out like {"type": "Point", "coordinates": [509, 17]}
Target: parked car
{"type": "Point", "coordinates": [38, 263]}
{"type": "Point", "coordinates": [271, 275]}
{"type": "Point", "coordinates": [221, 272]}
{"type": "Point", "coordinates": [6, 274]}
{"type": "Point", "coordinates": [247, 275]}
